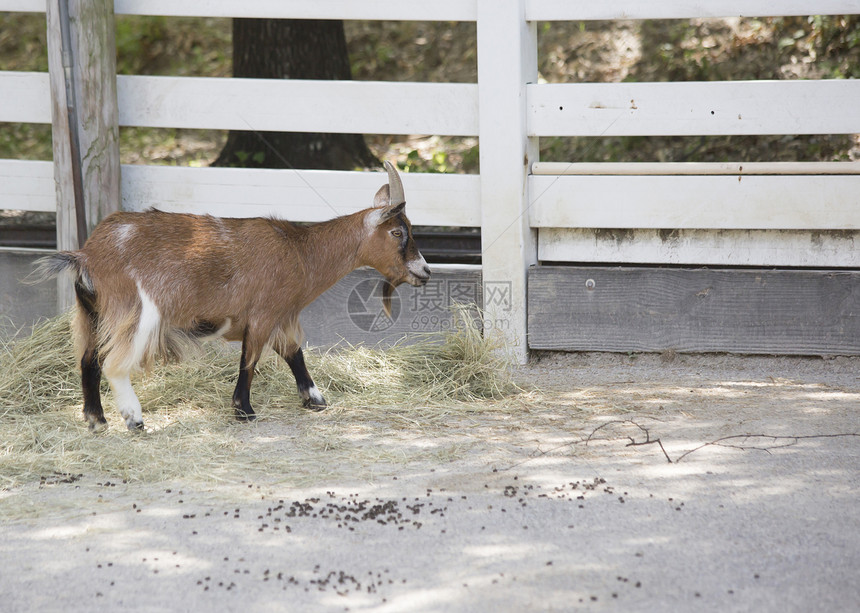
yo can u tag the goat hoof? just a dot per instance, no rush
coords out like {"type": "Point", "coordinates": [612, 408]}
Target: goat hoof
{"type": "Point", "coordinates": [135, 426]}
{"type": "Point", "coordinates": [97, 425]}
{"type": "Point", "coordinates": [312, 399]}
{"type": "Point", "coordinates": [315, 404]}
{"type": "Point", "coordinates": [245, 415]}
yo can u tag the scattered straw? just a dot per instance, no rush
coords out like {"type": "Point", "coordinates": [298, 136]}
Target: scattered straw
{"type": "Point", "coordinates": [376, 396]}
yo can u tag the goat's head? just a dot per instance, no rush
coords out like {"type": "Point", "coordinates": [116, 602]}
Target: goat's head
{"type": "Point", "coordinates": [390, 248]}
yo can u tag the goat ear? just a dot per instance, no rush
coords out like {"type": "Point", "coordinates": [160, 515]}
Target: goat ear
{"type": "Point", "coordinates": [390, 199]}
{"type": "Point", "coordinates": [382, 198]}
{"type": "Point", "coordinates": [391, 211]}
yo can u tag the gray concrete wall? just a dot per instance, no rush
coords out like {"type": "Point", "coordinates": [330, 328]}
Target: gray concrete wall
{"type": "Point", "coordinates": [22, 305]}
{"type": "Point", "coordinates": [351, 311]}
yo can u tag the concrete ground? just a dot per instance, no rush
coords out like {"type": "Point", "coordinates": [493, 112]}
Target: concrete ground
{"type": "Point", "coordinates": [582, 510]}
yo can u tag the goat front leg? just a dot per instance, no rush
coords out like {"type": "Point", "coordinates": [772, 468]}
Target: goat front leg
{"type": "Point", "coordinates": [311, 396]}
{"type": "Point", "coordinates": [242, 393]}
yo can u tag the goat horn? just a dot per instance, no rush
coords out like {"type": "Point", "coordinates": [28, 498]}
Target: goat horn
{"type": "Point", "coordinates": [395, 186]}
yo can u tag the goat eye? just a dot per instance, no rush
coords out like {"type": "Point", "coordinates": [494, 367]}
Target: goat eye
{"type": "Point", "coordinates": [398, 233]}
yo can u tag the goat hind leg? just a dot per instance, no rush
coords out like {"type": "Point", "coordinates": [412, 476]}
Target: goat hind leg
{"type": "Point", "coordinates": [126, 400]}
{"type": "Point", "coordinates": [91, 376]}
{"type": "Point", "coordinates": [86, 324]}
{"type": "Point", "coordinates": [128, 354]}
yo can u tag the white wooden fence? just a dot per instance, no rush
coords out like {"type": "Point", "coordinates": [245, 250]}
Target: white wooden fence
{"type": "Point", "coordinates": [737, 214]}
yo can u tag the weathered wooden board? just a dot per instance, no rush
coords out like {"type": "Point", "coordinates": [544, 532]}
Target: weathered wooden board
{"type": "Point", "coordinates": [298, 195]}
{"type": "Point", "coordinates": [84, 128]}
{"type": "Point", "coordinates": [694, 310]}
{"type": "Point", "coordinates": [694, 108]}
{"type": "Point", "coordinates": [785, 248]}
{"type": "Point", "coordinates": [798, 202]}
{"type": "Point", "coordinates": [351, 311]}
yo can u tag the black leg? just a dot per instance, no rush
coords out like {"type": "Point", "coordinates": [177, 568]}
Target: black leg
{"type": "Point", "coordinates": [91, 376]}
{"type": "Point", "coordinates": [91, 370]}
{"type": "Point", "coordinates": [311, 396]}
{"type": "Point", "coordinates": [242, 393]}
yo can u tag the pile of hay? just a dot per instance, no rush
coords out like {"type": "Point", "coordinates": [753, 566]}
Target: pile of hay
{"type": "Point", "coordinates": [192, 433]}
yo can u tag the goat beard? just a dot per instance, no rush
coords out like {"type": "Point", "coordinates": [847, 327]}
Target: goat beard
{"type": "Point", "coordinates": [388, 289]}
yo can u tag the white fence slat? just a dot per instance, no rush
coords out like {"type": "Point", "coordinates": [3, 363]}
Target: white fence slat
{"type": "Point", "coordinates": [26, 97]}
{"type": "Point", "coordinates": [27, 185]}
{"type": "Point", "coordinates": [696, 202]}
{"type": "Point", "coordinates": [696, 168]}
{"type": "Point", "coordinates": [575, 10]}
{"type": "Point", "coordinates": [507, 60]}
{"type": "Point", "coordinates": [305, 195]}
{"type": "Point", "coordinates": [695, 108]}
{"type": "Point", "coordinates": [465, 10]}
{"type": "Point", "coordinates": [701, 247]}
{"type": "Point", "coordinates": [292, 105]}
{"type": "Point", "coordinates": [395, 10]}
{"type": "Point", "coordinates": [23, 6]}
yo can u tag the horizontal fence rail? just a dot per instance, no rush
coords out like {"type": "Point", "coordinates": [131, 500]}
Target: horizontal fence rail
{"type": "Point", "coordinates": [291, 105]}
{"type": "Point", "coordinates": [27, 185]}
{"type": "Point", "coordinates": [304, 195]}
{"type": "Point", "coordinates": [266, 104]}
{"type": "Point", "coordinates": [395, 10]}
{"type": "Point", "coordinates": [591, 109]}
{"type": "Point", "coordinates": [803, 202]}
{"type": "Point", "coordinates": [26, 97]}
{"type": "Point", "coordinates": [773, 248]}
{"type": "Point", "coordinates": [696, 168]}
{"type": "Point", "coordinates": [585, 10]}
{"type": "Point", "coordinates": [694, 108]}
{"type": "Point", "coordinates": [462, 10]}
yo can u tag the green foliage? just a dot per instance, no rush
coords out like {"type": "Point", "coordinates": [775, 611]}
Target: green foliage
{"type": "Point", "coordinates": [25, 141]}
{"type": "Point", "coordinates": [437, 162]}
{"type": "Point", "coordinates": [23, 43]}
{"type": "Point", "coordinates": [139, 42]}
{"type": "Point", "coordinates": [194, 46]}
{"type": "Point", "coordinates": [675, 50]}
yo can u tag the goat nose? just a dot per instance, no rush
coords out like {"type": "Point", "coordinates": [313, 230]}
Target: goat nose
{"type": "Point", "coordinates": [426, 270]}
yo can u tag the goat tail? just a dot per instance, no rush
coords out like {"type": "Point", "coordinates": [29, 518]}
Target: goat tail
{"type": "Point", "coordinates": [55, 264]}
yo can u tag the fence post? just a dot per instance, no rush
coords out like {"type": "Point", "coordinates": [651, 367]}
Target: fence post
{"type": "Point", "coordinates": [507, 61]}
{"type": "Point", "coordinates": [93, 75]}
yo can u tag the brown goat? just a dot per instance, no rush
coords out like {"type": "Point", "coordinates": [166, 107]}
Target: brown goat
{"type": "Point", "coordinates": [148, 284]}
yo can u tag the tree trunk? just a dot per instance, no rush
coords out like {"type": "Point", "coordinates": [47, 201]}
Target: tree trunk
{"type": "Point", "coordinates": [292, 49]}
